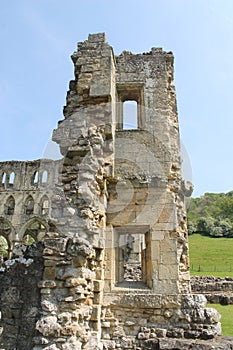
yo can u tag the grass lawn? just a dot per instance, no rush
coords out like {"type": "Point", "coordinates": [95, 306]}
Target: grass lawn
{"type": "Point", "coordinates": [211, 256]}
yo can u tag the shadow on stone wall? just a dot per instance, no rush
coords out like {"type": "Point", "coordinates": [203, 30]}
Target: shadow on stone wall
{"type": "Point", "coordinates": [20, 298]}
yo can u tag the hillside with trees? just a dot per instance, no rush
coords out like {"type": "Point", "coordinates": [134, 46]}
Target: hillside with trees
{"type": "Point", "coordinates": [211, 215]}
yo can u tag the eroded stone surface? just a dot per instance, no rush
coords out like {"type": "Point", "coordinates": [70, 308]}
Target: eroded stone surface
{"type": "Point", "coordinates": [116, 199]}
{"type": "Point", "coordinates": [216, 289]}
{"type": "Point", "coordinates": [20, 301]}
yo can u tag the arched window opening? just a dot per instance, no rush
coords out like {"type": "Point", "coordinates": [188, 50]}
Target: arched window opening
{"type": "Point", "coordinates": [44, 206]}
{"type": "Point", "coordinates": [4, 178]}
{"type": "Point", "coordinates": [4, 248]}
{"type": "Point", "coordinates": [130, 115]}
{"type": "Point", "coordinates": [44, 177]}
{"type": "Point", "coordinates": [29, 206]}
{"type": "Point", "coordinates": [35, 232]}
{"type": "Point", "coordinates": [10, 206]}
{"type": "Point", "coordinates": [28, 239]}
{"type": "Point", "coordinates": [5, 228]}
{"type": "Point", "coordinates": [35, 178]}
{"type": "Point", "coordinates": [12, 179]}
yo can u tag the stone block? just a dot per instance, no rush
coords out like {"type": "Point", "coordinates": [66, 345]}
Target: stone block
{"type": "Point", "coordinates": [154, 269]}
{"type": "Point", "coordinates": [99, 273]}
{"type": "Point", "coordinates": [171, 301]}
{"type": "Point", "coordinates": [106, 324]}
{"type": "Point", "coordinates": [45, 291]}
{"type": "Point", "coordinates": [79, 261]}
{"type": "Point", "coordinates": [96, 326]}
{"type": "Point", "coordinates": [98, 286]}
{"type": "Point", "coordinates": [167, 214]}
{"type": "Point", "coordinates": [157, 235]}
{"type": "Point", "coordinates": [56, 244]}
{"type": "Point", "coordinates": [168, 272]}
{"type": "Point", "coordinates": [98, 298]}
{"type": "Point", "coordinates": [73, 282]}
{"type": "Point", "coordinates": [49, 273]}
{"type": "Point", "coordinates": [47, 284]}
{"type": "Point", "coordinates": [139, 301]}
{"type": "Point", "coordinates": [169, 257]}
{"type": "Point", "coordinates": [50, 263]}
{"type": "Point", "coordinates": [155, 250]}
{"type": "Point", "coordinates": [96, 312]}
{"type": "Point", "coordinates": [165, 226]}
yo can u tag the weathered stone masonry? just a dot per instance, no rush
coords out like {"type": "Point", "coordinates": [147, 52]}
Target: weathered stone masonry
{"type": "Point", "coordinates": [117, 204]}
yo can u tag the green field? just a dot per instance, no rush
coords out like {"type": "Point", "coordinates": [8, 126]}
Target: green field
{"type": "Point", "coordinates": [211, 256]}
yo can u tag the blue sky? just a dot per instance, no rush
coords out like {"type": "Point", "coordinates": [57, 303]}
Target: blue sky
{"type": "Point", "coordinates": [38, 37]}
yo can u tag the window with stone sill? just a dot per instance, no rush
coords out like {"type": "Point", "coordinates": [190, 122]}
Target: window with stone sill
{"type": "Point", "coordinates": [131, 255]}
{"type": "Point", "coordinates": [130, 102]}
{"type": "Point", "coordinates": [130, 115]}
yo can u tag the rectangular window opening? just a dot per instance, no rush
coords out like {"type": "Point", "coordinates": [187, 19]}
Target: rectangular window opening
{"type": "Point", "coordinates": [131, 254]}
{"type": "Point", "coordinates": [130, 115]}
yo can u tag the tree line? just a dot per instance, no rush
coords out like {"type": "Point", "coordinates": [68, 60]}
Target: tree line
{"type": "Point", "coordinates": [211, 215]}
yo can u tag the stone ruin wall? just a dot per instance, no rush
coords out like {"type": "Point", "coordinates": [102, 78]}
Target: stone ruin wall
{"type": "Point", "coordinates": [114, 183]}
{"type": "Point", "coordinates": [217, 290]}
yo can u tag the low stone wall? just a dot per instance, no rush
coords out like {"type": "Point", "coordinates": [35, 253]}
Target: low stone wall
{"type": "Point", "coordinates": [181, 344]}
{"type": "Point", "coordinates": [217, 290]}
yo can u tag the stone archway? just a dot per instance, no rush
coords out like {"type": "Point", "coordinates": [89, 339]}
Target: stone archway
{"type": "Point", "coordinates": [33, 230]}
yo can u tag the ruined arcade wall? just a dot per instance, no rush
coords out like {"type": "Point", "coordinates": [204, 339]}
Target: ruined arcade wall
{"type": "Point", "coordinates": [26, 191]}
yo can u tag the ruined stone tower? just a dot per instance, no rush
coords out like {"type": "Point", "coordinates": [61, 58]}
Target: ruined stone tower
{"type": "Point", "coordinates": [114, 271]}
